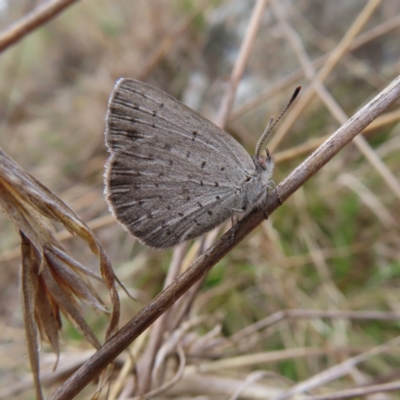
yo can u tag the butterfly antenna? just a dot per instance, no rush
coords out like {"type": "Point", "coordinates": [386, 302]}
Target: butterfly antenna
{"type": "Point", "coordinates": [271, 123]}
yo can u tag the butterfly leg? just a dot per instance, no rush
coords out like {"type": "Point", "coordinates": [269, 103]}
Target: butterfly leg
{"type": "Point", "coordinates": [272, 183]}
{"type": "Point", "coordinates": [270, 160]}
{"type": "Point", "coordinates": [233, 212]}
{"type": "Point", "coordinates": [266, 215]}
{"type": "Point", "coordinates": [236, 211]}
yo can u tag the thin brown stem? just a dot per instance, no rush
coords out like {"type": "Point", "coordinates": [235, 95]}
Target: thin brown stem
{"type": "Point", "coordinates": [27, 24]}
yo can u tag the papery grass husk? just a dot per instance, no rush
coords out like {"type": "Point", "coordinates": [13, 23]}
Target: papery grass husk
{"type": "Point", "coordinates": [51, 281]}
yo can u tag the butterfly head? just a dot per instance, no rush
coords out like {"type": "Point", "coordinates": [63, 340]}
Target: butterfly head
{"type": "Point", "coordinates": [265, 165]}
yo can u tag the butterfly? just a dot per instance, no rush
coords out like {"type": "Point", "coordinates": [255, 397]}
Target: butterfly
{"type": "Point", "coordinates": [172, 174]}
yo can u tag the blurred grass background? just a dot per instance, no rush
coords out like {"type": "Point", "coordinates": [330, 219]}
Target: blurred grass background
{"type": "Point", "coordinates": [333, 246]}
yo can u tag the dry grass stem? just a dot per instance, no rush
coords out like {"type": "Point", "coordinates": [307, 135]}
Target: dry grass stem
{"type": "Point", "coordinates": [307, 147]}
{"type": "Point", "coordinates": [328, 66]}
{"type": "Point", "coordinates": [338, 370]}
{"type": "Point", "coordinates": [250, 379]}
{"type": "Point", "coordinates": [369, 199]}
{"type": "Point", "coordinates": [160, 326]}
{"type": "Point", "coordinates": [337, 314]}
{"type": "Point", "coordinates": [357, 392]}
{"type": "Point", "coordinates": [38, 17]}
{"type": "Point", "coordinates": [259, 358]}
{"type": "Point", "coordinates": [330, 102]}
{"type": "Point", "coordinates": [294, 77]}
{"type": "Point", "coordinates": [170, 40]}
{"type": "Point", "coordinates": [241, 62]}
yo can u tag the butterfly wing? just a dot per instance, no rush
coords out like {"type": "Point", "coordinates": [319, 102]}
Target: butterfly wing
{"type": "Point", "coordinates": [172, 174]}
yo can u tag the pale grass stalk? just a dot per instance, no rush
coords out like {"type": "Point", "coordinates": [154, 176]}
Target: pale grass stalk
{"type": "Point", "coordinates": [334, 295]}
{"type": "Point", "coordinates": [276, 88]}
{"type": "Point", "coordinates": [250, 379]}
{"type": "Point", "coordinates": [241, 62]}
{"type": "Point", "coordinates": [36, 18]}
{"type": "Point", "coordinates": [336, 111]}
{"type": "Point", "coordinates": [391, 145]}
{"type": "Point", "coordinates": [247, 360]}
{"type": "Point", "coordinates": [171, 343]}
{"type": "Point", "coordinates": [184, 305]}
{"type": "Point", "coordinates": [344, 251]}
{"type": "Point", "coordinates": [146, 362]}
{"type": "Point", "coordinates": [311, 314]}
{"type": "Point", "coordinates": [177, 377]}
{"type": "Point", "coordinates": [369, 199]}
{"type": "Point", "coordinates": [180, 309]}
{"type": "Point", "coordinates": [307, 147]}
{"type": "Point", "coordinates": [378, 164]}
{"type": "Point", "coordinates": [331, 62]}
{"type": "Point", "coordinates": [120, 382]}
{"type": "Point", "coordinates": [255, 376]}
{"type": "Point", "coordinates": [212, 385]}
{"type": "Point", "coordinates": [318, 259]}
{"type": "Point", "coordinates": [339, 370]}
{"type": "Point", "coordinates": [356, 66]}
{"type": "Point", "coordinates": [207, 341]}
{"type": "Point", "coordinates": [294, 77]}
{"type": "Point", "coordinates": [203, 299]}
{"type": "Point", "coordinates": [359, 392]}
{"type": "Point", "coordinates": [170, 39]}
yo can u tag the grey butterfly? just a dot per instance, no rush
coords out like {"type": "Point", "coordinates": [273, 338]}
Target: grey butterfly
{"type": "Point", "coordinates": [172, 174]}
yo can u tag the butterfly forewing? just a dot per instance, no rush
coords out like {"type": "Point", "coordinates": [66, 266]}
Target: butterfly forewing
{"type": "Point", "coordinates": [172, 174]}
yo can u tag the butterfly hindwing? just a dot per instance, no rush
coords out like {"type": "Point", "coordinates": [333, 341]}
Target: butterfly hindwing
{"type": "Point", "coordinates": [172, 174]}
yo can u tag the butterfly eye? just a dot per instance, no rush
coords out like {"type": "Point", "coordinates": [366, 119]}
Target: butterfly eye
{"type": "Point", "coordinates": [262, 163]}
